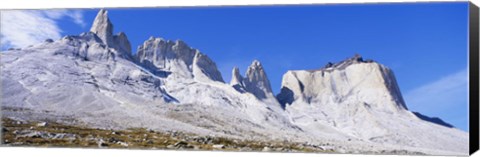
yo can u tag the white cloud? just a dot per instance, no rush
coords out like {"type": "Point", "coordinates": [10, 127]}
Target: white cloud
{"type": "Point", "coordinates": [441, 96]}
{"type": "Point", "coordinates": [75, 15]}
{"type": "Point", "coordinates": [445, 91]}
{"type": "Point", "coordinates": [20, 28]}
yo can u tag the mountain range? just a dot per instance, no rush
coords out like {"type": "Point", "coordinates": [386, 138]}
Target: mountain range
{"type": "Point", "coordinates": [94, 79]}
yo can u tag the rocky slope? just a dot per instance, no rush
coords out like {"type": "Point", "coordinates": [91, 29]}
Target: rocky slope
{"type": "Point", "coordinates": [93, 80]}
{"type": "Point", "coordinates": [166, 86]}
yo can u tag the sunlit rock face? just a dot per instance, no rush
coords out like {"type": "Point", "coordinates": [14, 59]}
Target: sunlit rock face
{"type": "Point", "coordinates": [103, 27]}
{"type": "Point", "coordinates": [367, 81]}
{"type": "Point", "coordinates": [178, 59]}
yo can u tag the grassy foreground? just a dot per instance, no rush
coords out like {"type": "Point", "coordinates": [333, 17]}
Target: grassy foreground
{"type": "Point", "coordinates": [43, 134]}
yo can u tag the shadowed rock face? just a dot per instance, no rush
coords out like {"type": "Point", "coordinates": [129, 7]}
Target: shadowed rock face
{"type": "Point", "coordinates": [435, 120]}
{"type": "Point", "coordinates": [286, 96]}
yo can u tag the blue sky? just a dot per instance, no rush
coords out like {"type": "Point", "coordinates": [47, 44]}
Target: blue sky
{"type": "Point", "coordinates": [424, 43]}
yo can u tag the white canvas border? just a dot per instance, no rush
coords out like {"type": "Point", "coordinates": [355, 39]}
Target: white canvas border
{"type": "Point", "coordinates": [80, 152]}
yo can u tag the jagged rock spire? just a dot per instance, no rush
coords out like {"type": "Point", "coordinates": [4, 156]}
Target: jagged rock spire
{"type": "Point", "coordinates": [237, 80]}
{"type": "Point", "coordinates": [255, 81]}
{"type": "Point", "coordinates": [256, 74]}
{"type": "Point", "coordinates": [236, 77]}
{"type": "Point", "coordinates": [103, 27]}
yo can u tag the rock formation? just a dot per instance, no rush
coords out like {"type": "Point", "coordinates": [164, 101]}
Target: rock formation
{"type": "Point", "coordinates": [204, 69]}
{"type": "Point", "coordinates": [358, 98]}
{"type": "Point", "coordinates": [177, 58]}
{"type": "Point", "coordinates": [237, 80]}
{"type": "Point", "coordinates": [255, 81]}
{"type": "Point", "coordinates": [122, 44]}
{"type": "Point", "coordinates": [368, 81]}
{"type": "Point", "coordinates": [103, 28]}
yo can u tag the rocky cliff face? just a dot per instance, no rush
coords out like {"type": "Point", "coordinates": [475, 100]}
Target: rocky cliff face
{"type": "Point", "coordinates": [122, 44]}
{"type": "Point", "coordinates": [178, 59]}
{"type": "Point", "coordinates": [237, 80]}
{"type": "Point", "coordinates": [366, 81]}
{"type": "Point", "coordinates": [357, 98]}
{"type": "Point", "coordinates": [255, 81]}
{"type": "Point", "coordinates": [204, 69]}
{"type": "Point", "coordinates": [103, 29]}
